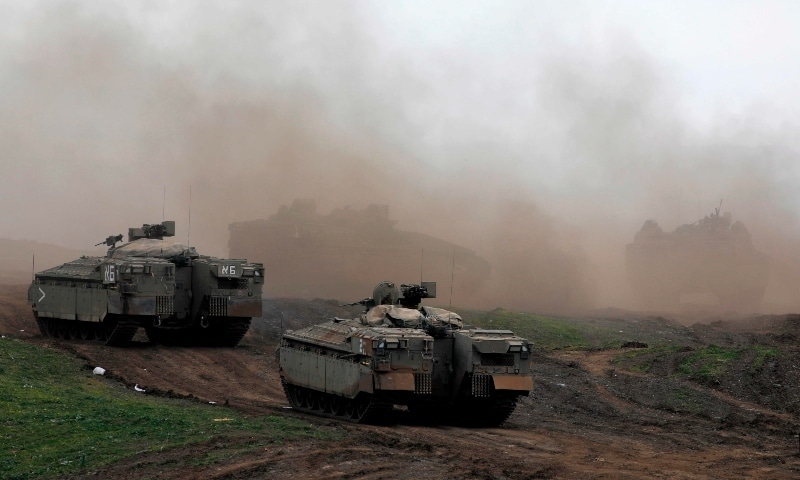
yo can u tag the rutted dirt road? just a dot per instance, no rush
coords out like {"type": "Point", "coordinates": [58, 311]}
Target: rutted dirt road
{"type": "Point", "coordinates": [585, 419]}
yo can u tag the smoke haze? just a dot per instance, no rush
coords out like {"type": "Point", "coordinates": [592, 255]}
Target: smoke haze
{"type": "Point", "coordinates": [545, 161]}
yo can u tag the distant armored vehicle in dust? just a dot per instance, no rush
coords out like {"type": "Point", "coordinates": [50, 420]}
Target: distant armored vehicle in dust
{"type": "Point", "coordinates": [167, 288]}
{"type": "Point", "coordinates": [311, 255]}
{"type": "Point", "coordinates": [398, 353]}
{"type": "Point", "coordinates": [710, 256]}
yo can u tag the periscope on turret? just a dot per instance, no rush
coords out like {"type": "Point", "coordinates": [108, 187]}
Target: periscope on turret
{"type": "Point", "coordinates": [400, 353]}
{"type": "Point", "coordinates": [167, 288]}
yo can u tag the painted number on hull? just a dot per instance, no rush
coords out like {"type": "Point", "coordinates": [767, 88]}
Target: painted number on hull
{"type": "Point", "coordinates": [229, 270]}
{"type": "Point", "coordinates": [109, 275]}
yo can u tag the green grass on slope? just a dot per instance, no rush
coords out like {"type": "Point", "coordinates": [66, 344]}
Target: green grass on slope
{"type": "Point", "coordinates": [545, 332]}
{"type": "Point", "coordinates": [707, 365]}
{"type": "Point", "coordinates": [560, 333]}
{"type": "Point", "coordinates": [56, 418]}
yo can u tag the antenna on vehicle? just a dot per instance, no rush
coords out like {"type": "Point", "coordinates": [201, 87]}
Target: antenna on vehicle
{"type": "Point", "coordinates": [452, 276]}
{"type": "Point", "coordinates": [33, 268]}
{"type": "Point", "coordinates": [189, 232]}
{"type": "Point", "coordinates": [421, 260]}
{"type": "Point", "coordinates": [163, 207]}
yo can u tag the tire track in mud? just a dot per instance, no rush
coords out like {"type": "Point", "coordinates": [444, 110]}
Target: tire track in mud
{"type": "Point", "coordinates": [581, 430]}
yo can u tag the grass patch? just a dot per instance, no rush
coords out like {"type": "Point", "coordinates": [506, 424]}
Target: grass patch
{"type": "Point", "coordinates": [763, 354]}
{"type": "Point", "coordinates": [707, 365]}
{"type": "Point", "coordinates": [685, 400]}
{"type": "Point", "coordinates": [643, 360]}
{"type": "Point", "coordinates": [56, 418]}
{"type": "Point", "coordinates": [547, 333]}
{"type": "Point", "coordinates": [559, 333]}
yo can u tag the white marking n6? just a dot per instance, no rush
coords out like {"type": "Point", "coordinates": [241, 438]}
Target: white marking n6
{"type": "Point", "coordinates": [109, 273]}
{"type": "Point", "coordinates": [229, 270]}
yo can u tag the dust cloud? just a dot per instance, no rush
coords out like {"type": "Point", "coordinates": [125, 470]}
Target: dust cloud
{"type": "Point", "coordinates": [113, 117]}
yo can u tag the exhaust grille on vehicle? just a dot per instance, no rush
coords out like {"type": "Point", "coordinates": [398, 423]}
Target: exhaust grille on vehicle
{"type": "Point", "coordinates": [422, 383]}
{"type": "Point", "coordinates": [218, 306]}
{"type": "Point", "coordinates": [481, 385]}
{"type": "Point", "coordinates": [232, 283]}
{"type": "Point", "coordinates": [164, 305]}
{"type": "Point", "coordinates": [497, 359]}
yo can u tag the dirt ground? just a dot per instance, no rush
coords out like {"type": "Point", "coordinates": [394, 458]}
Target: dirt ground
{"type": "Point", "coordinates": [586, 418]}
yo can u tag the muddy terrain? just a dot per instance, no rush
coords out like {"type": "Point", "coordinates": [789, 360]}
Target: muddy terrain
{"type": "Point", "coordinates": [588, 416]}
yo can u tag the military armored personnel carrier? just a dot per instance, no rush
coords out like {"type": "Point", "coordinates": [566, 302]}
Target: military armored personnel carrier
{"type": "Point", "coordinates": [398, 353]}
{"type": "Point", "coordinates": [314, 255]}
{"type": "Point", "coordinates": [711, 256]}
{"type": "Point", "coordinates": [167, 288]}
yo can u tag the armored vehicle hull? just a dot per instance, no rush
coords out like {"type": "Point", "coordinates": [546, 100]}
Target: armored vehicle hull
{"type": "Point", "coordinates": [710, 257]}
{"type": "Point", "coordinates": [313, 255]}
{"type": "Point", "coordinates": [344, 369]}
{"type": "Point", "coordinates": [359, 369]}
{"type": "Point", "coordinates": [176, 295]}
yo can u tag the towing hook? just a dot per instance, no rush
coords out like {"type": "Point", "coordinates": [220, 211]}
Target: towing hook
{"type": "Point", "coordinates": [157, 321]}
{"type": "Point", "coordinates": [204, 323]}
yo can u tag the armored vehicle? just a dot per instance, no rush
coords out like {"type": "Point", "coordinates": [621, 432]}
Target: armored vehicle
{"type": "Point", "coordinates": [711, 256]}
{"type": "Point", "coordinates": [400, 353]}
{"type": "Point", "coordinates": [314, 255]}
{"type": "Point", "coordinates": [167, 288]}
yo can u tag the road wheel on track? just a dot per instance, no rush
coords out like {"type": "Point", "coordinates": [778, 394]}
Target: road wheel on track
{"type": "Point", "coordinates": [52, 327]}
{"type": "Point", "coordinates": [336, 405]}
{"type": "Point", "coordinates": [350, 408]}
{"type": "Point", "coordinates": [100, 332]}
{"type": "Point", "coordinates": [62, 330]}
{"type": "Point", "coordinates": [86, 331]}
{"type": "Point", "coordinates": [324, 403]}
{"type": "Point", "coordinates": [314, 400]}
{"type": "Point", "coordinates": [291, 394]}
{"type": "Point", "coordinates": [74, 329]}
{"type": "Point", "coordinates": [302, 397]}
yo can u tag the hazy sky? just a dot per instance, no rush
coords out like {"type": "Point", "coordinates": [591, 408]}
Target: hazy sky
{"type": "Point", "coordinates": [601, 114]}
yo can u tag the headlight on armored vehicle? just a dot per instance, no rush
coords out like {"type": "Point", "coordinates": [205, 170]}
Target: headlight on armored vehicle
{"type": "Point", "coordinates": [389, 343]}
{"type": "Point", "coordinates": [248, 272]}
{"type": "Point", "coordinates": [379, 347]}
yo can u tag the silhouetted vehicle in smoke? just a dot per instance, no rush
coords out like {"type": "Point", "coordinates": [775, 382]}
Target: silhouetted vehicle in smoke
{"type": "Point", "coordinates": [400, 353]}
{"type": "Point", "coordinates": [310, 255]}
{"type": "Point", "coordinates": [167, 288]}
{"type": "Point", "coordinates": [710, 256]}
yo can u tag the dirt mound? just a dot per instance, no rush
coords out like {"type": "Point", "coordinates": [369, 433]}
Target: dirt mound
{"type": "Point", "coordinates": [589, 416]}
